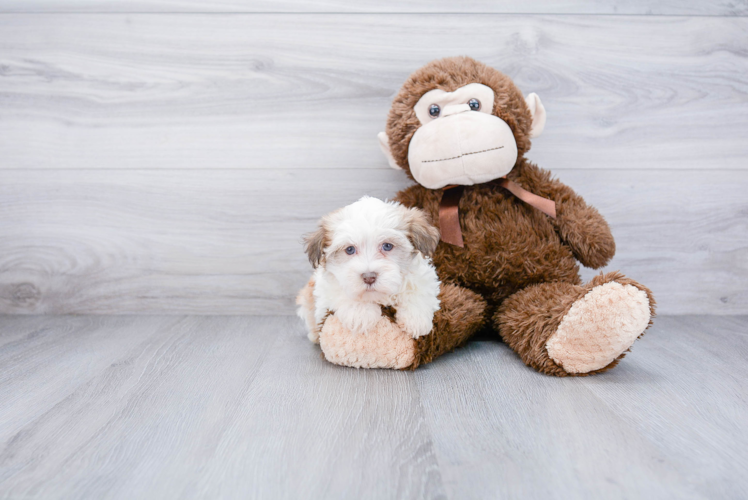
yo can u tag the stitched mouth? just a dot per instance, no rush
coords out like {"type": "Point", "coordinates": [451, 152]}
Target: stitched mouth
{"type": "Point", "coordinates": [464, 154]}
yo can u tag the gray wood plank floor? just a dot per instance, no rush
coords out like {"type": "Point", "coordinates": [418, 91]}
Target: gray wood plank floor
{"type": "Point", "coordinates": [244, 407]}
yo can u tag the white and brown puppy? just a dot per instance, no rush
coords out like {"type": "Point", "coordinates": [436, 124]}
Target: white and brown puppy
{"type": "Point", "coordinates": [367, 255]}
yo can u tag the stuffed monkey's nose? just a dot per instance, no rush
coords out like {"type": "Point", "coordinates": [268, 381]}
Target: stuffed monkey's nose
{"type": "Point", "coordinates": [454, 109]}
{"type": "Point", "coordinates": [369, 278]}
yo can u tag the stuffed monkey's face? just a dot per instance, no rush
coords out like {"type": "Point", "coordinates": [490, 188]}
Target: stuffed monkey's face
{"type": "Point", "coordinates": [461, 139]}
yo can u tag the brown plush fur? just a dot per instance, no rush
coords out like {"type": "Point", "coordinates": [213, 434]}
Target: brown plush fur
{"type": "Point", "coordinates": [517, 261]}
{"type": "Point", "coordinates": [510, 245]}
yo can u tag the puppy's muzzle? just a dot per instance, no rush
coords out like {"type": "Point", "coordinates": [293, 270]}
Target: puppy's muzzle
{"type": "Point", "coordinates": [369, 278]}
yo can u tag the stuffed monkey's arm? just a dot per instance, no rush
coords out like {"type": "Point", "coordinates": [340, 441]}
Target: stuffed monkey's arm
{"type": "Point", "coordinates": [579, 225]}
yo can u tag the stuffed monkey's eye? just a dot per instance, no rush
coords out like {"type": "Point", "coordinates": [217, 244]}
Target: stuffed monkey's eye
{"type": "Point", "coordinates": [387, 247]}
{"type": "Point", "coordinates": [434, 110]}
{"type": "Point", "coordinates": [350, 250]}
{"type": "Point", "coordinates": [474, 104]}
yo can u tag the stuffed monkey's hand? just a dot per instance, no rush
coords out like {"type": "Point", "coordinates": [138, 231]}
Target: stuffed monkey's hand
{"type": "Point", "coordinates": [579, 225]}
{"type": "Point", "coordinates": [586, 232]}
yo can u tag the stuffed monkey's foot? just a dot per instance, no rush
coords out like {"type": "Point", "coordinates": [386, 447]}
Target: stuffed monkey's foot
{"type": "Point", "coordinates": [387, 345]}
{"type": "Point", "coordinates": [563, 329]}
{"type": "Point", "coordinates": [600, 327]}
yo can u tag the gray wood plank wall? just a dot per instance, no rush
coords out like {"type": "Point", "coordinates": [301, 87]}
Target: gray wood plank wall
{"type": "Point", "coordinates": [636, 7]}
{"type": "Point", "coordinates": [170, 162]}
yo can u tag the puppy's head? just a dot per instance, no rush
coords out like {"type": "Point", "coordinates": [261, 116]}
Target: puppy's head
{"type": "Point", "coordinates": [369, 246]}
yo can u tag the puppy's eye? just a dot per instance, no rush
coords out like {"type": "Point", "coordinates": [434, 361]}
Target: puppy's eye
{"type": "Point", "coordinates": [387, 247]}
{"type": "Point", "coordinates": [350, 250]}
{"type": "Point", "coordinates": [474, 104]}
{"type": "Point", "coordinates": [434, 110]}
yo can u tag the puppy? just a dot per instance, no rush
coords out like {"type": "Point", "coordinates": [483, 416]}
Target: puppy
{"type": "Point", "coordinates": [368, 255]}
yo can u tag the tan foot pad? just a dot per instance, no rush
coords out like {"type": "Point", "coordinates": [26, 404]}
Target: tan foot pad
{"type": "Point", "coordinates": [386, 346]}
{"type": "Point", "coordinates": [599, 327]}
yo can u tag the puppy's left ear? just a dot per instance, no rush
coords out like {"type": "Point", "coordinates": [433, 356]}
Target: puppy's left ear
{"type": "Point", "coordinates": [421, 233]}
{"type": "Point", "coordinates": [315, 245]}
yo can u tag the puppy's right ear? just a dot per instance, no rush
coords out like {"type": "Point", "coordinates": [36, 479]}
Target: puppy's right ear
{"type": "Point", "coordinates": [315, 245]}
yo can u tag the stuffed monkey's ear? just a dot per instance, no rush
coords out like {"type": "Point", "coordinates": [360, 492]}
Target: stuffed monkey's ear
{"type": "Point", "coordinates": [537, 110]}
{"type": "Point", "coordinates": [315, 245]}
{"type": "Point", "coordinates": [421, 233]}
{"type": "Point", "coordinates": [384, 144]}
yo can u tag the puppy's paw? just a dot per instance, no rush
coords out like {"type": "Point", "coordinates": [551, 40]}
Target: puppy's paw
{"type": "Point", "coordinates": [413, 323]}
{"type": "Point", "coordinates": [313, 335]}
{"type": "Point", "coordinates": [359, 317]}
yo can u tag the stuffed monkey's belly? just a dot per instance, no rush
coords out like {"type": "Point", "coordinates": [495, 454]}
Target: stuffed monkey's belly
{"type": "Point", "coordinates": [386, 346]}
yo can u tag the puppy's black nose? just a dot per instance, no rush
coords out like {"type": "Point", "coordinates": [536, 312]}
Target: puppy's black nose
{"type": "Point", "coordinates": [369, 278]}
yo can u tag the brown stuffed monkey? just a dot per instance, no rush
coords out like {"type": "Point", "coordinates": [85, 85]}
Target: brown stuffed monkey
{"type": "Point", "coordinates": [512, 236]}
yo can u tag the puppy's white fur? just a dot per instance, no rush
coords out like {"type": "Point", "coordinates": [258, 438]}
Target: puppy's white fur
{"type": "Point", "coordinates": [406, 278]}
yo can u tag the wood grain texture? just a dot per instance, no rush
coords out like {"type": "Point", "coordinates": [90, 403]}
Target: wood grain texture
{"type": "Point", "coordinates": [672, 407]}
{"type": "Point", "coordinates": [311, 429]}
{"type": "Point", "coordinates": [171, 163]}
{"type": "Point", "coordinates": [640, 7]}
{"type": "Point", "coordinates": [196, 407]}
{"type": "Point", "coordinates": [228, 242]}
{"type": "Point", "coordinates": [244, 407]}
{"type": "Point", "coordinates": [709, 399]}
{"type": "Point", "coordinates": [298, 91]}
